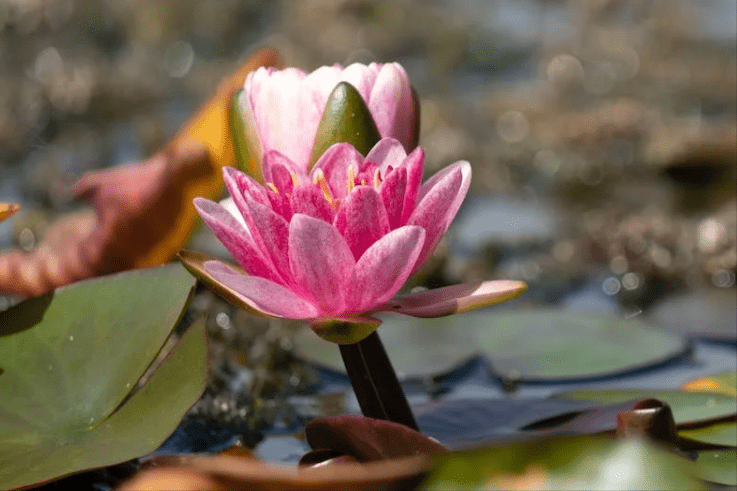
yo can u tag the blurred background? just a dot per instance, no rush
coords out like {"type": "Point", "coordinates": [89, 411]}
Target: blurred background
{"type": "Point", "coordinates": [601, 132]}
{"type": "Point", "coordinates": [602, 135]}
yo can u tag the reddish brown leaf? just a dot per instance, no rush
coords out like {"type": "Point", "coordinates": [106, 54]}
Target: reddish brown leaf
{"type": "Point", "coordinates": [226, 472]}
{"type": "Point", "coordinates": [143, 213]}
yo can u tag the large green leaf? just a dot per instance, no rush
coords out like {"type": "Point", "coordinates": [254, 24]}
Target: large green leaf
{"type": "Point", "coordinates": [72, 357]}
{"type": "Point", "coordinates": [687, 407]}
{"type": "Point", "coordinates": [718, 466]}
{"type": "Point", "coordinates": [565, 463]}
{"type": "Point", "coordinates": [530, 345]}
{"type": "Point", "coordinates": [716, 434]}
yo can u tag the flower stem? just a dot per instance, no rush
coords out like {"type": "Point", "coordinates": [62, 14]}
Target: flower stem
{"type": "Point", "coordinates": [375, 382]}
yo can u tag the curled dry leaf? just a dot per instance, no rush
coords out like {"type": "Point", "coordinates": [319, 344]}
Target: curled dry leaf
{"type": "Point", "coordinates": [143, 213]}
{"type": "Point", "coordinates": [7, 210]}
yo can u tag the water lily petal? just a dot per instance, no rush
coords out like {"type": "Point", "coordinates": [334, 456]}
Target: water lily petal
{"type": "Point", "coordinates": [279, 106]}
{"type": "Point", "coordinates": [385, 100]}
{"type": "Point", "coordinates": [274, 232]}
{"type": "Point", "coordinates": [242, 186]}
{"type": "Point", "coordinates": [362, 77]}
{"type": "Point", "coordinates": [236, 240]}
{"type": "Point", "coordinates": [262, 295]}
{"type": "Point", "coordinates": [438, 205]}
{"type": "Point", "coordinates": [414, 164]}
{"type": "Point", "coordinates": [387, 151]}
{"type": "Point", "coordinates": [455, 299]}
{"type": "Point", "coordinates": [309, 200]}
{"type": "Point", "coordinates": [278, 169]}
{"type": "Point", "coordinates": [334, 164]}
{"type": "Point", "coordinates": [392, 192]}
{"type": "Point", "coordinates": [280, 204]}
{"type": "Point", "coordinates": [320, 260]}
{"type": "Point", "coordinates": [362, 219]}
{"type": "Point", "coordinates": [384, 267]}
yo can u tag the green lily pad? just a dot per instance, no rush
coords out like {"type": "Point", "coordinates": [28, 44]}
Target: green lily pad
{"type": "Point", "coordinates": [68, 365]}
{"type": "Point", "coordinates": [687, 407]}
{"type": "Point", "coordinates": [718, 466]}
{"type": "Point", "coordinates": [565, 463]}
{"type": "Point", "coordinates": [532, 345]}
{"type": "Point", "coordinates": [722, 383]}
{"type": "Point", "coordinates": [716, 434]}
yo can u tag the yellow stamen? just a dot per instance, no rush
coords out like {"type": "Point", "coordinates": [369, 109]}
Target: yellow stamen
{"type": "Point", "coordinates": [271, 186]}
{"type": "Point", "coordinates": [318, 178]}
{"type": "Point", "coordinates": [377, 179]}
{"type": "Point", "coordinates": [363, 182]}
{"type": "Point", "coordinates": [351, 177]}
{"type": "Point", "coordinates": [295, 179]}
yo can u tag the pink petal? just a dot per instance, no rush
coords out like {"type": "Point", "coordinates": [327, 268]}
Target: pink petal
{"type": "Point", "coordinates": [362, 77]}
{"type": "Point", "coordinates": [383, 268]}
{"type": "Point", "coordinates": [406, 122]}
{"type": "Point", "coordinates": [438, 204]}
{"type": "Point", "coordinates": [455, 299]}
{"type": "Point", "coordinates": [277, 169]}
{"type": "Point", "coordinates": [236, 239]}
{"type": "Point", "coordinates": [320, 260]}
{"type": "Point", "coordinates": [415, 165]}
{"type": "Point", "coordinates": [386, 152]}
{"type": "Point", "coordinates": [242, 186]}
{"type": "Point", "coordinates": [386, 96]}
{"type": "Point", "coordinates": [392, 192]}
{"type": "Point", "coordinates": [261, 294]}
{"type": "Point", "coordinates": [274, 232]}
{"type": "Point", "coordinates": [310, 200]}
{"type": "Point", "coordinates": [362, 219]}
{"type": "Point", "coordinates": [280, 204]}
{"type": "Point", "coordinates": [281, 102]}
{"type": "Point", "coordinates": [334, 164]}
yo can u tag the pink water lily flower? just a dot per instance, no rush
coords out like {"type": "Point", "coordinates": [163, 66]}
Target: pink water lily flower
{"type": "Point", "coordinates": [334, 246]}
{"type": "Point", "coordinates": [284, 107]}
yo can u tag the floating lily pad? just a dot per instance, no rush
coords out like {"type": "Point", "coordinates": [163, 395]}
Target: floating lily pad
{"type": "Point", "coordinates": [69, 361]}
{"type": "Point", "coordinates": [548, 345]}
{"type": "Point", "coordinates": [721, 383]}
{"type": "Point", "coordinates": [687, 407]}
{"type": "Point", "coordinates": [565, 463]}
{"type": "Point", "coordinates": [718, 466]}
{"type": "Point", "coordinates": [711, 313]}
{"type": "Point", "coordinates": [716, 434]}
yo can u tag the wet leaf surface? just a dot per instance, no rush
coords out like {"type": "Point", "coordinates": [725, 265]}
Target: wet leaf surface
{"type": "Point", "coordinates": [719, 466]}
{"type": "Point", "coordinates": [547, 345]}
{"type": "Point", "coordinates": [565, 463]}
{"type": "Point", "coordinates": [716, 434]}
{"type": "Point", "coordinates": [68, 372]}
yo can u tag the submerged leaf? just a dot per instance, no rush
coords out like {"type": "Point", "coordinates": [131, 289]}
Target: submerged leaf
{"type": "Point", "coordinates": [143, 213]}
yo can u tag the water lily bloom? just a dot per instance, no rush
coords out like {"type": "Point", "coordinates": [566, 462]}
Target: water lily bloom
{"type": "Point", "coordinates": [283, 108]}
{"type": "Point", "coordinates": [334, 246]}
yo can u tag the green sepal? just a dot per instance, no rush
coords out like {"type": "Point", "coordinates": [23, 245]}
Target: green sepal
{"type": "Point", "coordinates": [346, 118]}
{"type": "Point", "coordinates": [246, 142]}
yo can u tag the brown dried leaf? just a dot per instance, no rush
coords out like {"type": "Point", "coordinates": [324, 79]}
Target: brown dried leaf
{"type": "Point", "coordinates": [226, 472]}
{"type": "Point", "coordinates": [143, 213]}
{"type": "Point", "coordinates": [7, 210]}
